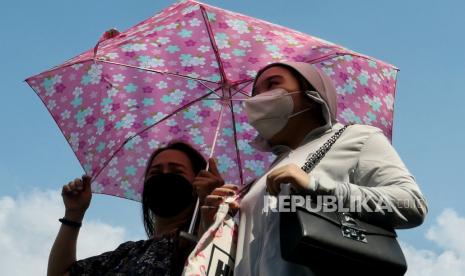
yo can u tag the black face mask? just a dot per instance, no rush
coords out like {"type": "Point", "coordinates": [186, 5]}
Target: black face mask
{"type": "Point", "coordinates": [167, 194]}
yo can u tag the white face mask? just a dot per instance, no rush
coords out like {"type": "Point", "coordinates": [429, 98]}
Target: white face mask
{"type": "Point", "coordinates": [270, 111]}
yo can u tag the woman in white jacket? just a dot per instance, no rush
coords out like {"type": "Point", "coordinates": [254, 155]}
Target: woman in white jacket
{"type": "Point", "coordinates": [294, 112]}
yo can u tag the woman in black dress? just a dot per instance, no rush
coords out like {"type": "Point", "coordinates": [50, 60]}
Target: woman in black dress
{"type": "Point", "coordinates": [174, 179]}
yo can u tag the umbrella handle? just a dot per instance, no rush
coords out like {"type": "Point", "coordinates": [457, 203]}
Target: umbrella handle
{"type": "Point", "coordinates": [188, 237]}
{"type": "Point", "coordinates": [197, 203]}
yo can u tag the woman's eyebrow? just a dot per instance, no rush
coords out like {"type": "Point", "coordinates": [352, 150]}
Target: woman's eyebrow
{"type": "Point", "coordinates": [170, 164]}
{"type": "Point", "coordinates": [153, 169]}
{"type": "Point", "coordinates": [159, 166]}
{"type": "Point", "coordinates": [267, 80]}
{"type": "Point", "coordinates": [279, 77]}
{"type": "Point", "coordinates": [177, 165]}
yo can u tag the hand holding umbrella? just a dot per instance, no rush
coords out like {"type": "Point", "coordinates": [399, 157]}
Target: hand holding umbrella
{"type": "Point", "coordinates": [76, 197]}
{"type": "Point", "coordinates": [207, 180]}
{"type": "Point", "coordinates": [205, 183]}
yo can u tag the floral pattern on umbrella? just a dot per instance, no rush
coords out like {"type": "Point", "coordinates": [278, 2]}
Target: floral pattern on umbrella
{"type": "Point", "coordinates": [177, 76]}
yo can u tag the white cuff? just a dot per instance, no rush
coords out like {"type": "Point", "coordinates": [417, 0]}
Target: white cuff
{"type": "Point", "coordinates": [312, 184]}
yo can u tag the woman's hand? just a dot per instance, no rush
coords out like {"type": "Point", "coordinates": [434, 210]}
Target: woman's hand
{"type": "Point", "coordinates": [213, 201]}
{"type": "Point", "coordinates": [291, 174]}
{"type": "Point", "coordinates": [76, 197]}
{"type": "Point", "coordinates": [206, 181]}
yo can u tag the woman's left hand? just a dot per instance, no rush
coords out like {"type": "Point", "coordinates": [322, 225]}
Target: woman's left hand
{"type": "Point", "coordinates": [206, 181]}
{"type": "Point", "coordinates": [291, 174]}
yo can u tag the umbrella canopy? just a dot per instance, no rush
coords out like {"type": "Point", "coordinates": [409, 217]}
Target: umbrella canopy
{"type": "Point", "coordinates": [176, 75]}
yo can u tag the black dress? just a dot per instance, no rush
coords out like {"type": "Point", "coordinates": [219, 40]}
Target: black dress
{"type": "Point", "coordinates": [156, 256]}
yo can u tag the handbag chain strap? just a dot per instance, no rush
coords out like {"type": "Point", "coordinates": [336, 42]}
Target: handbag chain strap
{"type": "Point", "coordinates": [311, 162]}
{"type": "Point", "coordinates": [316, 157]}
{"type": "Point", "coordinates": [349, 226]}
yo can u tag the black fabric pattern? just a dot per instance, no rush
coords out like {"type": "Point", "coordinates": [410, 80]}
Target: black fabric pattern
{"type": "Point", "coordinates": [145, 257]}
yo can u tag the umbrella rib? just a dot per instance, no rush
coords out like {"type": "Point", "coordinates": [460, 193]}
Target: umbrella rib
{"type": "Point", "coordinates": [242, 81]}
{"type": "Point", "coordinates": [229, 99]}
{"type": "Point", "coordinates": [350, 53]}
{"type": "Point", "coordinates": [121, 64]}
{"type": "Point", "coordinates": [209, 88]}
{"type": "Point", "coordinates": [152, 70]}
{"type": "Point", "coordinates": [242, 93]}
{"type": "Point", "coordinates": [213, 42]}
{"type": "Point", "coordinates": [240, 89]}
{"type": "Point", "coordinates": [392, 111]}
{"type": "Point", "coordinates": [217, 131]}
{"type": "Point", "coordinates": [179, 75]}
{"type": "Point", "coordinates": [159, 72]}
{"type": "Point", "coordinates": [147, 128]}
{"type": "Point", "coordinates": [236, 145]}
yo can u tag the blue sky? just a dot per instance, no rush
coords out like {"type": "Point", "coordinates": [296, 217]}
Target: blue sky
{"type": "Point", "coordinates": [422, 38]}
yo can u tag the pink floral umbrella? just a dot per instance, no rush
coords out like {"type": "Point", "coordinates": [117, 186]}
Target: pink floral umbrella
{"type": "Point", "coordinates": [176, 75]}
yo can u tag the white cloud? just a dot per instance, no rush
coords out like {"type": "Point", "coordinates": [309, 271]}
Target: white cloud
{"type": "Point", "coordinates": [448, 234]}
{"type": "Point", "coordinates": [28, 227]}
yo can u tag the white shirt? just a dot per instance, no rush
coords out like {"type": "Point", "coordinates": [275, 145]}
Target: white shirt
{"type": "Point", "coordinates": [362, 163]}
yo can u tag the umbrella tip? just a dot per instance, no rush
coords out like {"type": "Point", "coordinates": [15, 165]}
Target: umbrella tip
{"type": "Point", "coordinates": [111, 33]}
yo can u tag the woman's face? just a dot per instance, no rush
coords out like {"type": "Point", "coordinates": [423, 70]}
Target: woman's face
{"type": "Point", "coordinates": [172, 161]}
{"type": "Point", "coordinates": [276, 77]}
{"type": "Point", "coordinates": [281, 77]}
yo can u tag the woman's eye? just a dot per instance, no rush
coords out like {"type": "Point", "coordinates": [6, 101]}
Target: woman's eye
{"type": "Point", "coordinates": [271, 84]}
{"type": "Point", "coordinates": [152, 173]}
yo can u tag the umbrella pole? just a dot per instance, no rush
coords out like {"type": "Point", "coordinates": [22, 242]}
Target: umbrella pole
{"type": "Point", "coordinates": [189, 235]}
{"type": "Point", "coordinates": [194, 218]}
{"type": "Point", "coordinates": [188, 238]}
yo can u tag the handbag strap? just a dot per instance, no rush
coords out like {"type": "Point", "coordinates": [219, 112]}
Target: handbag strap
{"type": "Point", "coordinates": [311, 162]}
{"type": "Point", "coordinates": [316, 157]}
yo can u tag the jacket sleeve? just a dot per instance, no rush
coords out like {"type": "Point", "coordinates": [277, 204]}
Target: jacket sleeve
{"type": "Point", "coordinates": [381, 182]}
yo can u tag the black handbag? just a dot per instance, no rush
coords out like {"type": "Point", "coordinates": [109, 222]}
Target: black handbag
{"type": "Point", "coordinates": [332, 243]}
